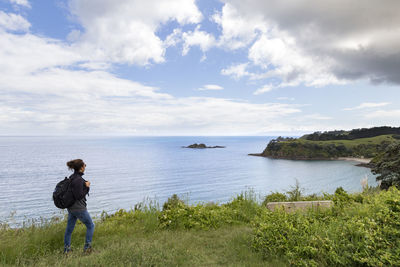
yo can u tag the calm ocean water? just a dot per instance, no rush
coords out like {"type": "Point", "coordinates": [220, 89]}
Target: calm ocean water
{"type": "Point", "coordinates": [126, 170]}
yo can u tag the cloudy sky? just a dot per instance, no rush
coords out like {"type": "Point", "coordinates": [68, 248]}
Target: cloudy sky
{"type": "Point", "coordinates": [206, 67]}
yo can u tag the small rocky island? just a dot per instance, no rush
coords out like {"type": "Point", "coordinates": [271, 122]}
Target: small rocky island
{"type": "Point", "coordinates": [201, 146]}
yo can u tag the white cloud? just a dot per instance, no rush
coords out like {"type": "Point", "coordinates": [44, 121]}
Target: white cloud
{"type": "Point", "coordinates": [24, 3]}
{"type": "Point", "coordinates": [264, 89]}
{"type": "Point", "coordinates": [72, 102]}
{"type": "Point", "coordinates": [212, 87]}
{"type": "Point", "coordinates": [197, 38]}
{"type": "Point", "coordinates": [274, 52]}
{"type": "Point", "coordinates": [174, 38]}
{"type": "Point", "coordinates": [319, 43]}
{"type": "Point", "coordinates": [125, 31]}
{"type": "Point", "coordinates": [317, 116]}
{"type": "Point", "coordinates": [384, 115]}
{"type": "Point", "coordinates": [27, 53]}
{"type": "Point", "coordinates": [237, 31]}
{"type": "Point", "coordinates": [368, 105]}
{"type": "Point", "coordinates": [281, 58]}
{"type": "Point", "coordinates": [277, 56]}
{"type": "Point", "coordinates": [236, 71]}
{"type": "Point", "coordinates": [76, 84]}
{"type": "Point", "coordinates": [202, 39]}
{"type": "Point", "coordinates": [48, 87]}
{"type": "Point", "coordinates": [95, 65]}
{"type": "Point", "coordinates": [13, 22]}
{"type": "Point", "coordinates": [286, 98]}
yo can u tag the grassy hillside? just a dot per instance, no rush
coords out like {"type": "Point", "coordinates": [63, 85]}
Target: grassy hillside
{"type": "Point", "coordinates": [361, 229]}
{"type": "Point", "coordinates": [353, 134]}
{"type": "Point", "coordinates": [302, 148]}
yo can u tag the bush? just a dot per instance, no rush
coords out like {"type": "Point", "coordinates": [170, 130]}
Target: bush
{"type": "Point", "coordinates": [350, 234]}
{"type": "Point", "coordinates": [241, 209]}
{"type": "Point", "coordinates": [387, 166]}
{"type": "Point", "coordinates": [173, 202]}
{"type": "Point", "coordinates": [341, 197]}
{"type": "Point", "coordinates": [274, 197]}
{"type": "Point", "coordinates": [295, 193]}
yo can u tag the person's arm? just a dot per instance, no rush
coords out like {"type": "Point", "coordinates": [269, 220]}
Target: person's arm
{"type": "Point", "coordinates": [79, 189]}
{"type": "Point", "coordinates": [86, 187]}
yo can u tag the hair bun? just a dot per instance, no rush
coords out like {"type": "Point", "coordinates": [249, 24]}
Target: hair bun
{"type": "Point", "coordinates": [75, 164]}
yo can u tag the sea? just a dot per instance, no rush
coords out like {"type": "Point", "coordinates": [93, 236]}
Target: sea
{"type": "Point", "coordinates": [125, 171]}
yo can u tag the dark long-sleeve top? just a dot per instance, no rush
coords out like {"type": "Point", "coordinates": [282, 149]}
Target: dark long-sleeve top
{"type": "Point", "coordinates": [79, 190]}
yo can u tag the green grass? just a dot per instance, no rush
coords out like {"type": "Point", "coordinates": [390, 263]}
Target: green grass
{"type": "Point", "coordinates": [132, 247]}
{"type": "Point", "coordinates": [139, 238]}
{"type": "Point", "coordinates": [362, 229]}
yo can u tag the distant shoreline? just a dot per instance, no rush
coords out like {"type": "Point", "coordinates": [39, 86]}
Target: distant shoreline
{"type": "Point", "coordinates": [359, 160]}
{"type": "Point", "coordinates": [362, 161]}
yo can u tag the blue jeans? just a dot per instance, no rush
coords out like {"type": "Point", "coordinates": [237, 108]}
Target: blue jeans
{"type": "Point", "coordinates": [84, 217]}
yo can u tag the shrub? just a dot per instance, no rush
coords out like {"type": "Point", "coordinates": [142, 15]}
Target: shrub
{"type": "Point", "coordinates": [341, 197]}
{"type": "Point", "coordinates": [351, 234]}
{"type": "Point", "coordinates": [274, 197]}
{"type": "Point", "coordinates": [173, 202]}
{"type": "Point", "coordinates": [241, 209]}
{"type": "Point", "coordinates": [387, 165]}
{"type": "Point", "coordinates": [295, 193]}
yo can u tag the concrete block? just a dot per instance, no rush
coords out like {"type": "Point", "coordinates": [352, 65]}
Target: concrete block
{"type": "Point", "coordinates": [300, 205]}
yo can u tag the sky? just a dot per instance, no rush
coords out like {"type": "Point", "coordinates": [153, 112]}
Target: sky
{"type": "Point", "coordinates": [205, 67]}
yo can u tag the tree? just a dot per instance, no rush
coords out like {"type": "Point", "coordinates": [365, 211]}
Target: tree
{"type": "Point", "coordinates": [387, 165]}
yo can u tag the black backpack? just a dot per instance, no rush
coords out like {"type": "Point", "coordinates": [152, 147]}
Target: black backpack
{"type": "Point", "coordinates": [62, 194]}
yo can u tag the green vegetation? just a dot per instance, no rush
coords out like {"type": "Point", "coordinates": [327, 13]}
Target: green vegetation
{"type": "Point", "coordinates": [353, 134]}
{"type": "Point", "coordinates": [241, 210]}
{"type": "Point", "coordinates": [305, 149]}
{"type": "Point", "coordinates": [367, 143]}
{"type": "Point", "coordinates": [294, 194]}
{"type": "Point", "coordinates": [362, 229]}
{"type": "Point", "coordinates": [180, 234]}
{"type": "Point", "coordinates": [387, 165]}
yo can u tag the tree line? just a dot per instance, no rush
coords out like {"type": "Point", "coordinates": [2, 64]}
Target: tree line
{"type": "Point", "coordinates": [353, 134]}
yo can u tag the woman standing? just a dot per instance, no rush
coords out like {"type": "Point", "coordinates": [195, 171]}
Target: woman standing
{"type": "Point", "coordinates": [80, 188]}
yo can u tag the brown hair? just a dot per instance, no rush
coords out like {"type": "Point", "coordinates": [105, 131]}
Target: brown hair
{"type": "Point", "coordinates": [75, 164]}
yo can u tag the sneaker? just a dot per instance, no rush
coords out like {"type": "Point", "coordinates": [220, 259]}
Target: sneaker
{"type": "Point", "coordinates": [67, 250]}
{"type": "Point", "coordinates": [87, 249]}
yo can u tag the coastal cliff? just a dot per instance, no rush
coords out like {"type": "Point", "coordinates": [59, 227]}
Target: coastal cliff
{"type": "Point", "coordinates": [358, 143]}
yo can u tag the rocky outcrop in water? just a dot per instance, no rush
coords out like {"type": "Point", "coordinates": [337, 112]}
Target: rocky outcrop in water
{"type": "Point", "coordinates": [201, 146]}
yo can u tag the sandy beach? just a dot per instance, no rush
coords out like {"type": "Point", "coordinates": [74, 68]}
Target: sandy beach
{"type": "Point", "coordinates": [360, 160]}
